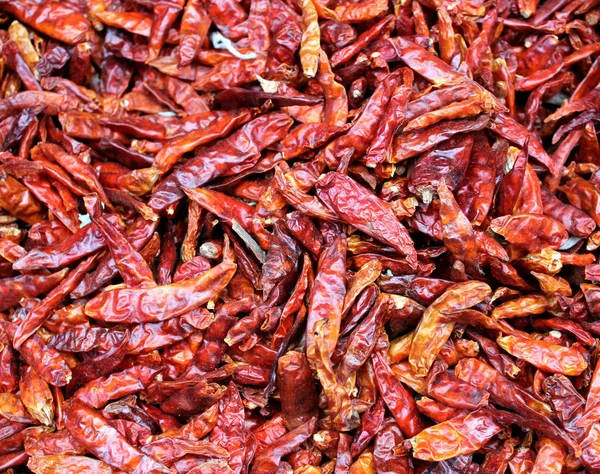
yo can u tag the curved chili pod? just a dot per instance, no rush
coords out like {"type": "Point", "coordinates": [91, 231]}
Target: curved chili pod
{"type": "Point", "coordinates": [431, 333]}
{"type": "Point", "coordinates": [544, 355]}
{"type": "Point", "coordinates": [458, 436]}
{"type": "Point", "coordinates": [519, 230]}
{"type": "Point", "coordinates": [93, 431]}
{"type": "Point", "coordinates": [161, 302]}
{"type": "Point", "coordinates": [342, 194]}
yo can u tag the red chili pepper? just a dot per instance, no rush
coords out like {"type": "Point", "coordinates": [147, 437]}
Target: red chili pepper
{"type": "Point", "coordinates": [214, 215]}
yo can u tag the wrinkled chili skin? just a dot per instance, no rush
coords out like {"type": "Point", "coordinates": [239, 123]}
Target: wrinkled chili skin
{"type": "Point", "coordinates": [222, 157]}
{"type": "Point", "coordinates": [339, 194]}
{"type": "Point", "coordinates": [328, 236]}
{"type": "Point", "coordinates": [298, 397]}
{"type": "Point", "coordinates": [88, 426]}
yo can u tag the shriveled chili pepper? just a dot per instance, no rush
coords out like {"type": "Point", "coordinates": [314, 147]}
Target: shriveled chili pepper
{"type": "Point", "coordinates": [40, 312]}
{"type": "Point", "coordinates": [139, 234]}
{"type": "Point", "coordinates": [396, 396]}
{"type": "Point", "coordinates": [457, 233]}
{"type": "Point", "coordinates": [365, 128]}
{"type": "Point", "coordinates": [327, 298]}
{"type": "Point", "coordinates": [338, 192]}
{"type": "Point", "coordinates": [94, 432]}
{"type": "Point", "coordinates": [431, 334]}
{"type": "Point", "coordinates": [71, 25]}
{"type": "Point", "coordinates": [269, 459]}
{"type": "Point", "coordinates": [222, 157]}
{"type": "Point", "coordinates": [507, 394]}
{"type": "Point", "coordinates": [298, 395]}
{"type": "Point", "coordinates": [169, 300]}
{"type": "Point", "coordinates": [468, 432]}
{"type": "Point", "coordinates": [343, 55]}
{"type": "Point", "coordinates": [86, 241]}
{"type": "Point", "coordinates": [214, 215]}
{"type": "Point", "coordinates": [553, 358]}
{"type": "Point", "coordinates": [394, 118]}
{"type": "Point", "coordinates": [172, 151]}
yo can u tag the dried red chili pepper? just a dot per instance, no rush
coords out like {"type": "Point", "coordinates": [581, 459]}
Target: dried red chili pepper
{"type": "Point", "coordinates": [552, 358]}
{"type": "Point", "coordinates": [93, 431]}
{"type": "Point", "coordinates": [396, 397]}
{"type": "Point", "coordinates": [340, 193]}
{"type": "Point", "coordinates": [240, 204]}
{"type": "Point", "coordinates": [298, 394]}
{"type": "Point", "coordinates": [469, 433]}
{"type": "Point", "coordinates": [431, 333]}
{"type": "Point", "coordinates": [224, 157]}
{"type": "Point", "coordinates": [394, 118]}
{"type": "Point", "coordinates": [169, 301]}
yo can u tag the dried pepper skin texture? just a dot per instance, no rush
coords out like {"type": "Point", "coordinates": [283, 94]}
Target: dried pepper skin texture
{"type": "Point", "coordinates": [344, 197]}
{"type": "Point", "coordinates": [576, 222]}
{"type": "Point", "coordinates": [86, 241]}
{"type": "Point", "coordinates": [298, 390]}
{"type": "Point", "coordinates": [396, 397]}
{"type": "Point", "coordinates": [449, 162]}
{"type": "Point", "coordinates": [432, 333]}
{"type": "Point", "coordinates": [516, 230]}
{"type": "Point", "coordinates": [583, 194]}
{"type": "Point", "coordinates": [169, 301]}
{"type": "Point", "coordinates": [327, 296]}
{"type": "Point", "coordinates": [311, 237]}
{"type": "Point", "coordinates": [71, 26]}
{"type": "Point", "coordinates": [546, 356]}
{"type": "Point", "coordinates": [458, 234]}
{"type": "Point", "coordinates": [59, 463]}
{"type": "Point", "coordinates": [27, 286]}
{"type": "Point", "coordinates": [16, 199]}
{"type": "Point", "coordinates": [37, 397]}
{"type": "Point", "coordinates": [394, 118]}
{"type": "Point", "coordinates": [223, 157]}
{"type": "Point", "coordinates": [94, 432]}
{"type": "Point", "coordinates": [98, 392]}
{"type": "Point", "coordinates": [41, 311]}
{"type": "Point", "coordinates": [458, 436]}
{"type": "Point", "coordinates": [551, 456]}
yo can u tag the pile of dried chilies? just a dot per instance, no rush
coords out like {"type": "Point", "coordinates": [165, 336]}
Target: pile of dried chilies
{"type": "Point", "coordinates": [312, 237]}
